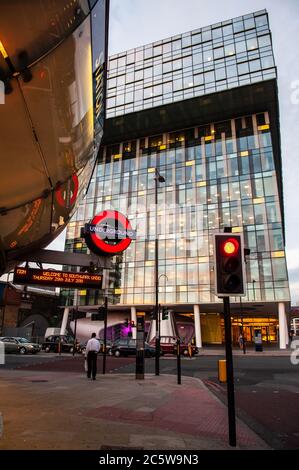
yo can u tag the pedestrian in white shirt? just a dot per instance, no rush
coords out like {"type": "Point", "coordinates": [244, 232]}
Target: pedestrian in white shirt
{"type": "Point", "coordinates": [92, 349]}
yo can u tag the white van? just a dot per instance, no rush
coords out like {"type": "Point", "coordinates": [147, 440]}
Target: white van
{"type": "Point", "coordinates": [51, 332]}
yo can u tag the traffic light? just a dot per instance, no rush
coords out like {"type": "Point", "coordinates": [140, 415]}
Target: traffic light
{"type": "Point", "coordinates": [76, 314]}
{"type": "Point", "coordinates": [229, 265]}
{"type": "Point", "coordinates": [100, 316]}
{"type": "Point", "coordinates": [164, 314]}
{"type": "Point", "coordinates": [153, 314]}
{"type": "Point", "coordinates": [126, 322]}
{"type": "Point", "coordinates": [101, 313]}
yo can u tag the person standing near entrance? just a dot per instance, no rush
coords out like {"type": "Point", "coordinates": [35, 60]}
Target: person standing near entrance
{"type": "Point", "coordinates": [92, 349]}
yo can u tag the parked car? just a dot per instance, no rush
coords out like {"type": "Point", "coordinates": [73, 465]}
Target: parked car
{"type": "Point", "coordinates": [64, 342]}
{"type": "Point", "coordinates": [17, 345]}
{"type": "Point", "coordinates": [168, 345]}
{"type": "Point", "coordinates": [101, 341]}
{"type": "Point", "coordinates": [127, 347]}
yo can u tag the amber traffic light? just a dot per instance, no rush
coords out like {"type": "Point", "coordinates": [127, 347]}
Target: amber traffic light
{"type": "Point", "coordinates": [229, 265]}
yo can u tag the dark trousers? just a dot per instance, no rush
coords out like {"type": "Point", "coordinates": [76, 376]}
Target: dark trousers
{"type": "Point", "coordinates": [92, 364]}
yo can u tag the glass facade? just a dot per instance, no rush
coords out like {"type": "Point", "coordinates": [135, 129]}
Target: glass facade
{"type": "Point", "coordinates": [219, 174]}
{"type": "Point", "coordinates": [211, 59]}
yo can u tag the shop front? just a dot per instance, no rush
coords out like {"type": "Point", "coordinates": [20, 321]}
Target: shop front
{"type": "Point", "coordinates": [251, 326]}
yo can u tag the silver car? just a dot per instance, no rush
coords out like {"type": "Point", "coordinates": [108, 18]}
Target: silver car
{"type": "Point", "coordinates": [17, 345]}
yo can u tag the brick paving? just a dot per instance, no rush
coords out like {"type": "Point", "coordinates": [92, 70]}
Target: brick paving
{"type": "Point", "coordinates": [51, 410]}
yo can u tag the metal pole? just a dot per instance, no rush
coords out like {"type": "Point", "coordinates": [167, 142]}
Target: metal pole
{"type": "Point", "coordinates": [105, 333]}
{"type": "Point", "coordinates": [4, 303]}
{"type": "Point", "coordinates": [157, 357]}
{"type": "Point", "coordinates": [230, 374]}
{"type": "Point", "coordinates": [75, 332]}
{"type": "Point", "coordinates": [178, 352]}
{"type": "Point", "coordinates": [139, 373]}
{"type": "Point", "coordinates": [159, 324]}
{"type": "Point", "coordinates": [244, 347]}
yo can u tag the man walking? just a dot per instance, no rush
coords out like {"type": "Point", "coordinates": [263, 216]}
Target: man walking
{"type": "Point", "coordinates": [92, 349]}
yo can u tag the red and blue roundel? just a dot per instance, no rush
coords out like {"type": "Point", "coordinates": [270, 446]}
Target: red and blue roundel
{"type": "Point", "coordinates": [71, 185]}
{"type": "Point", "coordinates": [109, 233]}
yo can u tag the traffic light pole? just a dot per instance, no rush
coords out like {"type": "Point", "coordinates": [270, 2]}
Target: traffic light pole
{"type": "Point", "coordinates": [105, 334]}
{"type": "Point", "coordinates": [75, 332]}
{"type": "Point", "coordinates": [230, 374]}
{"type": "Point", "coordinates": [178, 354]}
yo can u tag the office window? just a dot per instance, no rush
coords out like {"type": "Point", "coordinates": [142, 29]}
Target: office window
{"type": "Point", "coordinates": [208, 55]}
{"type": "Point", "coordinates": [209, 77]}
{"type": "Point", "coordinates": [176, 64]}
{"type": "Point", "coordinates": [206, 35]}
{"type": "Point", "coordinates": [196, 38]}
{"type": "Point", "coordinates": [167, 67]}
{"type": "Point", "coordinates": [264, 41]}
{"type": "Point", "coordinates": [243, 68]}
{"type": "Point", "coordinates": [254, 65]}
{"type": "Point", "coordinates": [229, 49]}
{"type": "Point", "coordinates": [197, 59]}
{"type": "Point", "coordinates": [227, 30]}
{"type": "Point", "coordinates": [249, 23]}
{"type": "Point", "coordinates": [267, 62]}
{"type": "Point", "coordinates": [240, 47]}
{"type": "Point", "coordinates": [252, 44]}
{"type": "Point", "coordinates": [238, 26]}
{"type": "Point", "coordinates": [167, 87]}
{"type": "Point", "coordinates": [261, 21]}
{"type": "Point", "coordinates": [218, 52]}
{"type": "Point", "coordinates": [186, 41]}
{"type": "Point", "coordinates": [231, 71]}
{"type": "Point", "coordinates": [166, 47]}
{"type": "Point", "coordinates": [176, 45]}
{"type": "Point", "coordinates": [217, 33]}
{"type": "Point", "coordinates": [198, 79]}
{"type": "Point", "coordinates": [121, 62]}
{"type": "Point", "coordinates": [220, 74]}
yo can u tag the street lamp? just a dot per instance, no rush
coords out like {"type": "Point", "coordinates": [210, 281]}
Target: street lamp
{"type": "Point", "coordinates": [158, 179]}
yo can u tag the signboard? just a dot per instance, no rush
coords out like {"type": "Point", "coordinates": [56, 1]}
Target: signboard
{"type": "Point", "coordinates": [109, 233]}
{"type": "Point", "coordinates": [99, 17]}
{"type": "Point", "coordinates": [47, 277]}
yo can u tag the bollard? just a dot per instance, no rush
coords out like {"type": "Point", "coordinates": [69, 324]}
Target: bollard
{"type": "Point", "coordinates": [178, 353]}
{"type": "Point", "coordinates": [222, 371]}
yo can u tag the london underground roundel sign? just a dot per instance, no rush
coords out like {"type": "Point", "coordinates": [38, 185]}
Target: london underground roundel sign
{"type": "Point", "coordinates": [109, 233]}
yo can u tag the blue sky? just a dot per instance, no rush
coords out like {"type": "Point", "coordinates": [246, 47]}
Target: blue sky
{"type": "Point", "coordinates": [137, 22]}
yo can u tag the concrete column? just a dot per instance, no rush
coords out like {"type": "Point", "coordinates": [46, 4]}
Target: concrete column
{"type": "Point", "coordinates": [64, 320]}
{"type": "Point", "coordinates": [134, 319]}
{"type": "Point", "coordinates": [198, 340]}
{"type": "Point", "coordinates": [283, 330]}
{"type": "Point", "coordinates": [286, 329]}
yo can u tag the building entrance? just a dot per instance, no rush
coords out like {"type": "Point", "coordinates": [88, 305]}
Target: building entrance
{"type": "Point", "coordinates": [268, 326]}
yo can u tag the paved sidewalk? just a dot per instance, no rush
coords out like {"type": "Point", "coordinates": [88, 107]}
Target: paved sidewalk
{"type": "Point", "coordinates": [50, 410]}
{"type": "Point", "coordinates": [219, 351]}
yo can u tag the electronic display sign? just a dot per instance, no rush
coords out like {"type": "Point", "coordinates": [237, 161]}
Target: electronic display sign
{"type": "Point", "coordinates": [47, 277]}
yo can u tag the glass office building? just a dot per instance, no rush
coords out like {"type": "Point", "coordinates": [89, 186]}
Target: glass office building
{"type": "Point", "coordinates": [202, 109]}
